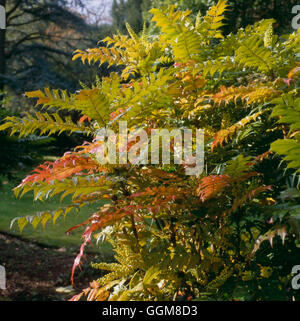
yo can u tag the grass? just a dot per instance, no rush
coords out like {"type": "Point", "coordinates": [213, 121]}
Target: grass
{"type": "Point", "coordinates": [52, 235]}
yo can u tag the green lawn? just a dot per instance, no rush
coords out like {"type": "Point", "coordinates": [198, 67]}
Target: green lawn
{"type": "Point", "coordinates": [52, 235]}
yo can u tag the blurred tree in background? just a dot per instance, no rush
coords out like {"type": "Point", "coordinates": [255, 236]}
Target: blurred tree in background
{"type": "Point", "coordinates": [245, 12]}
{"type": "Point", "coordinates": [38, 38]}
{"type": "Point", "coordinates": [36, 50]}
{"type": "Point", "coordinates": [241, 13]}
{"type": "Point", "coordinates": [37, 46]}
{"type": "Point", "coordinates": [130, 11]}
{"type": "Point", "coordinates": [17, 154]}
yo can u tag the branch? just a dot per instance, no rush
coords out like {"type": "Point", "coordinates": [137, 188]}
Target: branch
{"type": "Point", "coordinates": [32, 36]}
{"type": "Point", "coordinates": [23, 23]}
{"type": "Point", "coordinates": [13, 9]}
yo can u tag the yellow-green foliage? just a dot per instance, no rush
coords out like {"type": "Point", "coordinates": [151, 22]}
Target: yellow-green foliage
{"type": "Point", "coordinates": [177, 236]}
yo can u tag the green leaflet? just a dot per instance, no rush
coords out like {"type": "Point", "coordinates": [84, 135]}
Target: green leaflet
{"type": "Point", "coordinates": [288, 110]}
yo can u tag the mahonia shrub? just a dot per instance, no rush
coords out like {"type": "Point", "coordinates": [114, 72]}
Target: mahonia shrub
{"type": "Point", "coordinates": [230, 233]}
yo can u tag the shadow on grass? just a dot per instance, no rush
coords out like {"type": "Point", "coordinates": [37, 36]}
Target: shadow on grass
{"type": "Point", "coordinates": [39, 262]}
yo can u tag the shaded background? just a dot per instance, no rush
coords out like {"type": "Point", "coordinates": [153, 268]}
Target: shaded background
{"type": "Point", "coordinates": [35, 52]}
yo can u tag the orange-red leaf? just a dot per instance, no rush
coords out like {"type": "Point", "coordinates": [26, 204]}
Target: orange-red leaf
{"type": "Point", "coordinates": [212, 185]}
